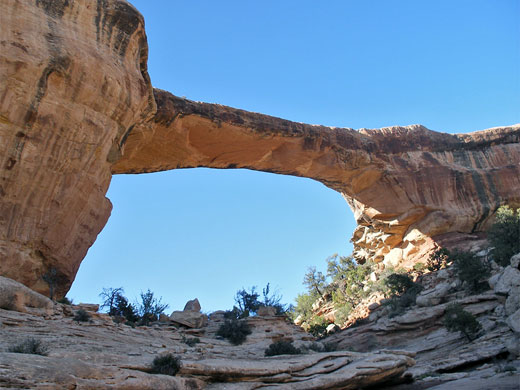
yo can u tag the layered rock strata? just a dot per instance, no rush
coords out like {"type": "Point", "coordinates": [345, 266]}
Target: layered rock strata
{"type": "Point", "coordinates": [101, 354]}
{"type": "Point", "coordinates": [73, 83]}
{"type": "Point", "coordinates": [76, 106]}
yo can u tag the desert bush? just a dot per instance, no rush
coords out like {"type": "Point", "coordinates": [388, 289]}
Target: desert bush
{"type": "Point", "coordinates": [471, 270]}
{"type": "Point", "coordinates": [303, 306]}
{"type": "Point", "coordinates": [282, 348]}
{"type": "Point", "coordinates": [234, 330]}
{"type": "Point", "coordinates": [419, 267]}
{"type": "Point", "coordinates": [318, 327]}
{"type": "Point", "coordinates": [150, 307]}
{"type": "Point", "coordinates": [30, 346]}
{"type": "Point", "coordinates": [65, 301]}
{"type": "Point", "coordinates": [323, 347]}
{"type": "Point", "coordinates": [143, 312]}
{"type": "Point", "coordinates": [248, 302]}
{"type": "Point", "coordinates": [438, 259]}
{"type": "Point", "coordinates": [456, 319]}
{"type": "Point", "coordinates": [81, 316]}
{"type": "Point", "coordinates": [166, 364]}
{"type": "Point", "coordinates": [117, 304]}
{"type": "Point", "coordinates": [398, 283]}
{"type": "Point", "coordinates": [404, 291]}
{"type": "Point", "coordinates": [504, 235]}
{"type": "Point", "coordinates": [190, 341]}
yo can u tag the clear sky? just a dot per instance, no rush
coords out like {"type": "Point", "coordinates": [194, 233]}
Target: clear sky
{"type": "Point", "coordinates": [452, 66]}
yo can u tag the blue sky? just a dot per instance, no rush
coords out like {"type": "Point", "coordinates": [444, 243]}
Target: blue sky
{"type": "Point", "coordinates": [452, 66]}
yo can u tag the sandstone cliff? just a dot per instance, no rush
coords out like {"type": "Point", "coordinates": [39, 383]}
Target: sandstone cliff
{"type": "Point", "coordinates": [76, 106]}
{"type": "Point", "coordinates": [73, 82]}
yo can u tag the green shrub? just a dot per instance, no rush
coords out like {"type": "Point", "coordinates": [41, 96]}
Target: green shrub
{"type": "Point", "coordinates": [419, 267]}
{"type": "Point", "coordinates": [81, 316]}
{"type": "Point", "coordinates": [404, 291]}
{"type": "Point", "coordinates": [438, 259]}
{"type": "Point", "coordinates": [142, 313]}
{"type": "Point", "coordinates": [65, 301]}
{"type": "Point", "coordinates": [234, 330]}
{"type": "Point", "coordinates": [191, 341]}
{"type": "Point", "coordinates": [248, 302]}
{"type": "Point", "coordinates": [456, 319]}
{"type": "Point", "coordinates": [166, 364]}
{"type": "Point", "coordinates": [30, 346]}
{"type": "Point", "coordinates": [118, 305]}
{"type": "Point", "coordinates": [504, 235]}
{"type": "Point", "coordinates": [303, 306]}
{"type": "Point", "coordinates": [471, 270]}
{"type": "Point", "coordinates": [150, 308]}
{"type": "Point", "coordinates": [282, 348]}
{"type": "Point", "coordinates": [398, 283]}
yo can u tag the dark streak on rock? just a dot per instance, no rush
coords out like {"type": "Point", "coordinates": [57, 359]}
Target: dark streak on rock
{"type": "Point", "coordinates": [483, 199]}
{"type": "Point", "coordinates": [53, 8]}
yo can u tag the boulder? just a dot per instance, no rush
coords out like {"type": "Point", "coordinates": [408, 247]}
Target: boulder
{"type": "Point", "coordinates": [510, 278]}
{"type": "Point", "coordinates": [433, 296]}
{"type": "Point", "coordinates": [193, 305]}
{"type": "Point", "coordinates": [266, 311]}
{"type": "Point", "coordinates": [191, 319]}
{"type": "Point", "coordinates": [15, 296]}
{"type": "Point", "coordinates": [515, 261]}
{"type": "Point", "coordinates": [514, 321]}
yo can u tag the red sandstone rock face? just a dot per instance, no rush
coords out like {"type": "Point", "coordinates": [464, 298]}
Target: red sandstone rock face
{"type": "Point", "coordinates": [73, 82]}
{"type": "Point", "coordinates": [404, 184]}
{"type": "Point", "coordinates": [74, 94]}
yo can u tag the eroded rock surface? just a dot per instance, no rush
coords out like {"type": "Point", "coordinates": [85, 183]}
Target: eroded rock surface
{"type": "Point", "coordinates": [102, 354]}
{"type": "Point", "coordinates": [73, 82]}
{"type": "Point", "coordinates": [76, 106]}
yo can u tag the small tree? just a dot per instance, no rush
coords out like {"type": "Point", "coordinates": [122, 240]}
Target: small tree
{"type": "Point", "coordinates": [315, 280]}
{"type": "Point", "coordinates": [150, 307]}
{"type": "Point", "coordinates": [504, 235]}
{"type": "Point", "coordinates": [456, 319]}
{"type": "Point", "coordinates": [118, 305]}
{"type": "Point", "coordinates": [471, 270]}
{"type": "Point", "coordinates": [51, 278]}
{"type": "Point", "coordinates": [248, 303]}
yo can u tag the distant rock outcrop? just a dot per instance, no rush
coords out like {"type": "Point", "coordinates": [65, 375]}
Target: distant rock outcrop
{"type": "Point", "coordinates": [77, 105]}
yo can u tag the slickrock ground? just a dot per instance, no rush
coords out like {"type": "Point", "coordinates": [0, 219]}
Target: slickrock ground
{"type": "Point", "coordinates": [77, 105]}
{"type": "Point", "coordinates": [410, 351]}
{"type": "Point", "coordinates": [102, 354]}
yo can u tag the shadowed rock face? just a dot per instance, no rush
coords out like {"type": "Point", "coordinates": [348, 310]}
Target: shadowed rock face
{"type": "Point", "coordinates": [76, 106]}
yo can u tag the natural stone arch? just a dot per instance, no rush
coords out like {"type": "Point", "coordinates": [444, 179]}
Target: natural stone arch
{"type": "Point", "coordinates": [76, 106]}
{"type": "Point", "coordinates": [404, 184]}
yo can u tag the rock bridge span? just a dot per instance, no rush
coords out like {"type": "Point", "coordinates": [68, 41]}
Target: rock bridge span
{"type": "Point", "coordinates": [77, 105]}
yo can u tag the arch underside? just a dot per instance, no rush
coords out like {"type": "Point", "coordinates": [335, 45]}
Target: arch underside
{"type": "Point", "coordinates": [406, 185]}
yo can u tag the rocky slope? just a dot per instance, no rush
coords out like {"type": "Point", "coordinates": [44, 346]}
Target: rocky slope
{"type": "Point", "coordinates": [410, 351]}
{"type": "Point", "coordinates": [102, 354]}
{"type": "Point", "coordinates": [77, 105]}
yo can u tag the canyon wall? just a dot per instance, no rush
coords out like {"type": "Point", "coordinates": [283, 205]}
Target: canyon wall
{"type": "Point", "coordinates": [73, 82]}
{"type": "Point", "coordinates": [77, 105]}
